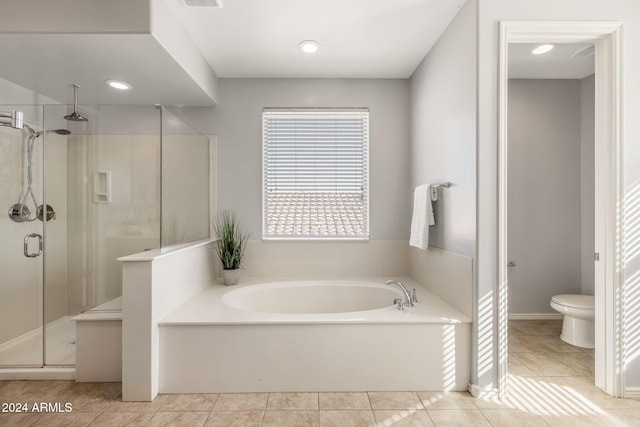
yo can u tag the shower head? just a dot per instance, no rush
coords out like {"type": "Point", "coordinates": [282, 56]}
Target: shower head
{"type": "Point", "coordinates": [34, 134]}
{"type": "Point", "coordinates": [56, 131]}
{"type": "Point", "coordinates": [75, 117]}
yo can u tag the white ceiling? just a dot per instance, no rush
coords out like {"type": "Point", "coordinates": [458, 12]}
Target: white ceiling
{"type": "Point", "coordinates": [250, 38]}
{"type": "Point", "coordinates": [358, 38]}
{"type": "Point", "coordinates": [558, 63]}
{"type": "Point", "coordinates": [50, 64]}
{"type": "Point", "coordinates": [245, 38]}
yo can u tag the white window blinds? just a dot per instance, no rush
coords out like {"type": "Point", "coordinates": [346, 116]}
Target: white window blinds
{"type": "Point", "coordinates": [316, 174]}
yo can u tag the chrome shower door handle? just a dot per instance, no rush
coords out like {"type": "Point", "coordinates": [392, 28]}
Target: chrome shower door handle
{"type": "Point", "coordinates": [26, 245]}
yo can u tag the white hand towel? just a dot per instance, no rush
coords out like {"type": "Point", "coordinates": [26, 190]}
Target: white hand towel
{"type": "Point", "coordinates": [422, 217]}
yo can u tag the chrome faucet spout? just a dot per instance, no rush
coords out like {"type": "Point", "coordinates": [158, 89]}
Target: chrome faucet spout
{"type": "Point", "coordinates": [407, 302]}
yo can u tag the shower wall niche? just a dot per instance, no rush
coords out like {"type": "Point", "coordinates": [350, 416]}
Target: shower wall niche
{"type": "Point", "coordinates": [130, 179]}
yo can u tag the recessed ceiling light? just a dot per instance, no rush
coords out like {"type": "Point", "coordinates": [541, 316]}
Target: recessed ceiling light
{"type": "Point", "coordinates": [118, 84]}
{"type": "Point", "coordinates": [543, 48]}
{"type": "Point", "coordinates": [309, 46]}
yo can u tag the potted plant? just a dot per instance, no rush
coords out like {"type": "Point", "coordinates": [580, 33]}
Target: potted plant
{"type": "Point", "coordinates": [230, 245]}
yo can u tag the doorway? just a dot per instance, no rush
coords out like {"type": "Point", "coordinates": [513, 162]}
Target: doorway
{"type": "Point", "coordinates": [551, 184]}
{"type": "Point", "coordinates": [607, 280]}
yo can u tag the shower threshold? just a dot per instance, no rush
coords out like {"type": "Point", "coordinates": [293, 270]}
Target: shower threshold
{"type": "Point", "coordinates": [45, 373]}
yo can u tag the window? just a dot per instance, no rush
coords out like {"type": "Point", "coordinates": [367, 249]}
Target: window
{"type": "Point", "coordinates": [316, 174]}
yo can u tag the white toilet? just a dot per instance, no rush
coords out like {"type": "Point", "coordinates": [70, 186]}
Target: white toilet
{"type": "Point", "coordinates": [578, 326]}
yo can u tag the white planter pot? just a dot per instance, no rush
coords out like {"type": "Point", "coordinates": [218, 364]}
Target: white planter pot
{"type": "Point", "coordinates": [230, 277]}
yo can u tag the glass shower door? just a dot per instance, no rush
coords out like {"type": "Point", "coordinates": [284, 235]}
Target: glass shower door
{"type": "Point", "coordinates": [21, 234]}
{"type": "Point", "coordinates": [59, 327]}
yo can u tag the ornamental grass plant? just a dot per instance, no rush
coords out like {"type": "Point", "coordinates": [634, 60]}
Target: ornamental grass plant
{"type": "Point", "coordinates": [231, 241]}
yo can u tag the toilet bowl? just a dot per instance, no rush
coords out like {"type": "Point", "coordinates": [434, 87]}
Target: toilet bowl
{"type": "Point", "coordinates": [578, 326]}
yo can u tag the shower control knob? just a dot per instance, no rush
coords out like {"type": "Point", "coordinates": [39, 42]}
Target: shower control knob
{"type": "Point", "coordinates": [19, 213]}
{"type": "Point", "coordinates": [51, 214]}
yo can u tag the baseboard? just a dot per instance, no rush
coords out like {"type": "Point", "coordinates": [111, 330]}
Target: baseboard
{"type": "Point", "coordinates": [483, 392]}
{"type": "Point", "coordinates": [535, 316]}
{"type": "Point", "coordinates": [632, 392]}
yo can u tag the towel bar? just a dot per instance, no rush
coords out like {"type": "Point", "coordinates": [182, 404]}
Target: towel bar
{"type": "Point", "coordinates": [442, 184]}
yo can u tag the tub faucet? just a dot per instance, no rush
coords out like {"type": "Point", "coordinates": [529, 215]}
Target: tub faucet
{"type": "Point", "coordinates": [407, 302]}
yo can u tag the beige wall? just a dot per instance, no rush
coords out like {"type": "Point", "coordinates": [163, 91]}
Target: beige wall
{"type": "Point", "coordinates": [443, 131]}
{"type": "Point", "coordinates": [544, 192]}
{"type": "Point", "coordinates": [587, 183]}
{"type": "Point", "coordinates": [443, 148]}
{"type": "Point", "coordinates": [238, 125]}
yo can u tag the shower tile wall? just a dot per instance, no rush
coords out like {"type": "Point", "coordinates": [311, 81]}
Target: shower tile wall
{"type": "Point", "coordinates": [21, 277]}
{"type": "Point", "coordinates": [56, 255]}
{"type": "Point", "coordinates": [99, 233]}
{"type": "Point", "coordinates": [19, 317]}
{"type": "Point", "coordinates": [185, 188]}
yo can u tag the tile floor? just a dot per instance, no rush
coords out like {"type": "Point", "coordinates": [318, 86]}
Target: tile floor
{"type": "Point", "coordinates": [550, 385]}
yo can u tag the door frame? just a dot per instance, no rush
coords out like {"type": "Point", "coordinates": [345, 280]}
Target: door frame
{"type": "Point", "coordinates": [609, 280]}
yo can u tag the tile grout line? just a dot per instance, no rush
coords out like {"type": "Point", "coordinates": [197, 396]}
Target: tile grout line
{"type": "Point", "coordinates": [264, 411]}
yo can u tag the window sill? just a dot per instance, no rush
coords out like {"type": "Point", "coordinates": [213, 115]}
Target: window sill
{"type": "Point", "coordinates": [314, 240]}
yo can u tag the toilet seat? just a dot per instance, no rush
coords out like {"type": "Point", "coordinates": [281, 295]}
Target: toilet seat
{"type": "Point", "coordinates": [582, 302]}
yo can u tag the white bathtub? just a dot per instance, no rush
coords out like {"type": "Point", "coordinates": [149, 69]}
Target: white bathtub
{"type": "Point", "coordinates": [331, 335]}
{"type": "Point", "coordinates": [312, 297]}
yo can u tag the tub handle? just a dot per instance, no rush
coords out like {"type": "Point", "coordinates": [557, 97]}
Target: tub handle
{"type": "Point", "coordinates": [414, 296]}
{"type": "Point", "coordinates": [398, 303]}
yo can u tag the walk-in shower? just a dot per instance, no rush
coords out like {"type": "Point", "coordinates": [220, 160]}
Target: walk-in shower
{"type": "Point", "coordinates": [118, 182]}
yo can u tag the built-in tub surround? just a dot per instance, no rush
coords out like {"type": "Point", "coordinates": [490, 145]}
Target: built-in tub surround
{"type": "Point", "coordinates": [153, 285]}
{"type": "Point", "coordinates": [326, 259]}
{"type": "Point", "coordinates": [219, 342]}
{"type": "Point", "coordinates": [448, 275]}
